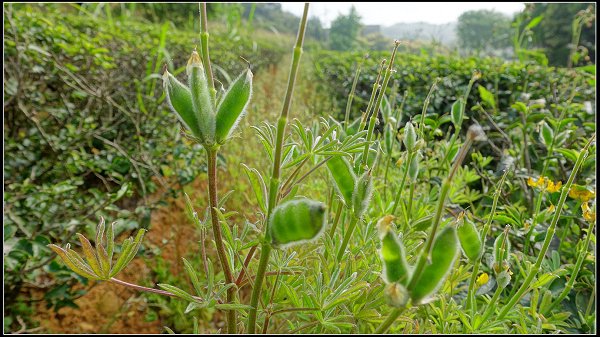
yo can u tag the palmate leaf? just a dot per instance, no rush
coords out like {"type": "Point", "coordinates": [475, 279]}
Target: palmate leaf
{"type": "Point", "coordinates": [97, 264]}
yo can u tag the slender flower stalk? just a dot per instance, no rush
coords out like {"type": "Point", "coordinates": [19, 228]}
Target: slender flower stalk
{"type": "Point", "coordinates": [275, 176]}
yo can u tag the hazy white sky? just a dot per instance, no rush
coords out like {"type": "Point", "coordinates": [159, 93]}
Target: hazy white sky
{"type": "Point", "coordinates": [388, 13]}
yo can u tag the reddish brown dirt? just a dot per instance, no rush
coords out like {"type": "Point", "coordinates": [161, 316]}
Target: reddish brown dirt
{"type": "Point", "coordinates": [111, 308]}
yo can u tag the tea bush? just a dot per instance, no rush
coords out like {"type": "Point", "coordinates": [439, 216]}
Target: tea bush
{"type": "Point", "coordinates": [87, 131]}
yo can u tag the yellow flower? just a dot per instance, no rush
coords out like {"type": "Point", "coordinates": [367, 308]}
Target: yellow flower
{"type": "Point", "coordinates": [551, 208]}
{"type": "Point", "coordinates": [581, 193]}
{"type": "Point", "coordinates": [531, 182]}
{"type": "Point", "coordinates": [482, 279]}
{"type": "Point", "coordinates": [552, 187]}
{"type": "Point", "coordinates": [588, 214]}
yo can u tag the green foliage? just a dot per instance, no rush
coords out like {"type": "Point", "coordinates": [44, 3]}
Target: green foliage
{"type": "Point", "coordinates": [344, 31]}
{"type": "Point", "coordinates": [483, 29]}
{"type": "Point", "coordinates": [554, 33]}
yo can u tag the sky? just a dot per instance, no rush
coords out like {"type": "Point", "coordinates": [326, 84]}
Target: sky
{"type": "Point", "coordinates": [389, 13]}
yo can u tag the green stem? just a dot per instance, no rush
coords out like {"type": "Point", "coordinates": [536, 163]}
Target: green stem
{"type": "Point", "coordinates": [486, 228]}
{"type": "Point", "coordinates": [438, 215]}
{"type": "Point", "coordinates": [490, 308]}
{"type": "Point", "coordinates": [578, 264]}
{"type": "Point", "coordinates": [426, 105]}
{"type": "Point", "coordinates": [347, 236]}
{"type": "Point", "coordinates": [351, 97]}
{"type": "Point", "coordinates": [397, 199]}
{"type": "Point", "coordinates": [338, 213]}
{"type": "Point", "coordinates": [274, 184]}
{"type": "Point", "coordinates": [363, 121]}
{"type": "Point", "coordinates": [375, 110]}
{"type": "Point", "coordinates": [204, 46]}
{"type": "Point", "coordinates": [216, 226]}
{"type": "Point", "coordinates": [390, 320]}
{"type": "Point", "coordinates": [549, 233]}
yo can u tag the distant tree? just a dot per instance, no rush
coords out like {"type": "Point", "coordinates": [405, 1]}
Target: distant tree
{"type": "Point", "coordinates": [315, 30]}
{"type": "Point", "coordinates": [555, 32]}
{"type": "Point", "coordinates": [483, 30]}
{"type": "Point", "coordinates": [344, 31]}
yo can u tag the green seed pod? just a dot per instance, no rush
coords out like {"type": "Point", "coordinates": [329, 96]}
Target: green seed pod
{"type": "Point", "coordinates": [469, 239]}
{"type": "Point", "coordinates": [546, 134]}
{"type": "Point", "coordinates": [363, 191]}
{"type": "Point", "coordinates": [413, 169]}
{"type": "Point", "coordinates": [297, 221]}
{"type": "Point", "coordinates": [344, 177]}
{"type": "Point", "coordinates": [233, 106]}
{"type": "Point", "coordinates": [201, 101]}
{"type": "Point", "coordinates": [395, 267]}
{"type": "Point", "coordinates": [444, 252]}
{"type": "Point", "coordinates": [396, 295]}
{"type": "Point", "coordinates": [502, 251]}
{"type": "Point", "coordinates": [458, 111]}
{"type": "Point", "coordinates": [410, 136]}
{"type": "Point", "coordinates": [179, 99]}
{"type": "Point", "coordinates": [389, 140]}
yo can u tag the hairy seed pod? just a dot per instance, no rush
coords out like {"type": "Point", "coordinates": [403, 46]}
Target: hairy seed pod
{"type": "Point", "coordinates": [413, 169]}
{"type": "Point", "coordinates": [232, 107]}
{"type": "Point", "coordinates": [179, 99]}
{"type": "Point", "coordinates": [458, 110]}
{"type": "Point", "coordinates": [201, 101]}
{"type": "Point", "coordinates": [443, 254]}
{"type": "Point", "coordinates": [546, 134]}
{"type": "Point", "coordinates": [297, 221]}
{"type": "Point", "coordinates": [410, 136]}
{"type": "Point", "coordinates": [503, 279]}
{"type": "Point", "coordinates": [396, 295]}
{"type": "Point", "coordinates": [395, 267]}
{"type": "Point", "coordinates": [343, 176]}
{"type": "Point", "coordinates": [469, 239]}
{"type": "Point", "coordinates": [502, 251]}
{"type": "Point", "coordinates": [363, 191]}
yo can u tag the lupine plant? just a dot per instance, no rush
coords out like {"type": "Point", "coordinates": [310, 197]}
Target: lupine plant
{"type": "Point", "coordinates": [420, 252]}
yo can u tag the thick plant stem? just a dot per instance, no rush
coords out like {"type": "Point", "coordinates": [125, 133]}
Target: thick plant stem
{"type": "Point", "coordinates": [549, 233]}
{"type": "Point", "coordinates": [390, 320]}
{"type": "Point", "coordinates": [204, 47]}
{"type": "Point", "coordinates": [275, 176]}
{"type": "Point", "coordinates": [347, 237]}
{"type": "Point", "coordinates": [213, 202]}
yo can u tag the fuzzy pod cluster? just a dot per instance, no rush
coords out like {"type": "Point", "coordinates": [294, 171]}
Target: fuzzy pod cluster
{"type": "Point", "coordinates": [363, 191]}
{"type": "Point", "coordinates": [297, 221]}
{"type": "Point", "coordinates": [209, 122]}
{"type": "Point", "coordinates": [399, 273]}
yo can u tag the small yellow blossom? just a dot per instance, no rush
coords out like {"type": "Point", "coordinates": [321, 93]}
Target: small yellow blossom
{"type": "Point", "coordinates": [531, 182]}
{"type": "Point", "coordinates": [588, 214]}
{"type": "Point", "coordinates": [581, 193]}
{"type": "Point", "coordinates": [482, 279]}
{"type": "Point", "coordinates": [551, 208]}
{"type": "Point", "coordinates": [552, 187]}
